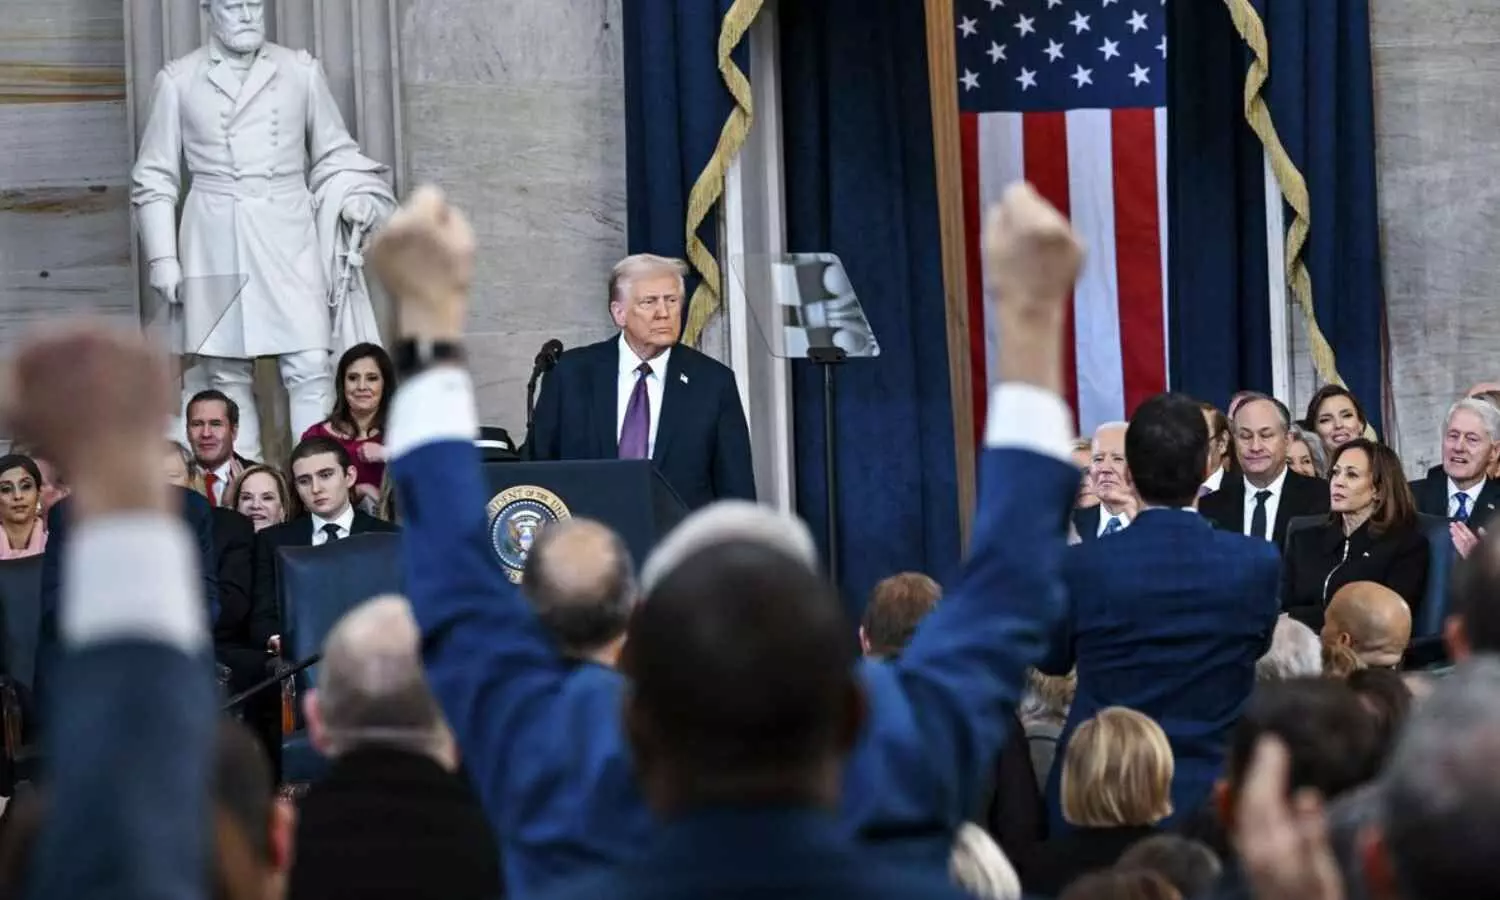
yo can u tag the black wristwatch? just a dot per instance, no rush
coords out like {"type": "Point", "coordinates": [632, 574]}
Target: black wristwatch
{"type": "Point", "coordinates": [413, 355]}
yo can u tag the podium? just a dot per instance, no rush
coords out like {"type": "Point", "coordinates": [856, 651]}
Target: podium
{"type": "Point", "coordinates": [628, 495]}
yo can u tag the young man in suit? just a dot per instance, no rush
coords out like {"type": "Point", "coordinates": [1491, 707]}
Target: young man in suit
{"type": "Point", "coordinates": [642, 395]}
{"type": "Point", "coordinates": [323, 476]}
{"type": "Point", "coordinates": [548, 753]}
{"type": "Point", "coordinates": [1266, 494]}
{"type": "Point", "coordinates": [213, 422]}
{"type": "Point", "coordinates": [1169, 616]}
{"type": "Point", "coordinates": [1460, 489]}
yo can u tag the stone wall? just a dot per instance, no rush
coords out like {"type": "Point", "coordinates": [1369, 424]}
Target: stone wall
{"type": "Point", "coordinates": [519, 109]}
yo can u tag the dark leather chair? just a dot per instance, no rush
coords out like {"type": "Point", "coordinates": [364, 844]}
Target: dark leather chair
{"type": "Point", "coordinates": [316, 586]}
{"type": "Point", "coordinates": [20, 632]}
{"type": "Point", "coordinates": [1426, 645]}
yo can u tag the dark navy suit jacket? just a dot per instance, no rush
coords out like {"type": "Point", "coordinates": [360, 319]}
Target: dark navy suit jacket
{"type": "Point", "coordinates": [1167, 618]}
{"type": "Point", "coordinates": [1432, 497]}
{"type": "Point", "coordinates": [198, 515]}
{"type": "Point", "coordinates": [776, 854]}
{"type": "Point", "coordinates": [702, 443]}
{"type": "Point", "coordinates": [542, 737]}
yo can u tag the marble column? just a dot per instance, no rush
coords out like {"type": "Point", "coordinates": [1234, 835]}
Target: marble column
{"type": "Point", "coordinates": [518, 110]}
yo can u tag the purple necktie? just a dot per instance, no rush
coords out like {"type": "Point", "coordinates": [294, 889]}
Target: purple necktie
{"type": "Point", "coordinates": [635, 433]}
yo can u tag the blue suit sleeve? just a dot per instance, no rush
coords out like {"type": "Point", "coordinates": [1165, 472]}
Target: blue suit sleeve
{"type": "Point", "coordinates": [733, 468]}
{"type": "Point", "coordinates": [130, 744]}
{"type": "Point", "coordinates": [962, 675]}
{"type": "Point", "coordinates": [490, 663]}
{"type": "Point", "coordinates": [200, 518]}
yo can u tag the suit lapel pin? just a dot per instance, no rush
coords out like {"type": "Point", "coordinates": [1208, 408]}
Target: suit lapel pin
{"type": "Point", "coordinates": [683, 376]}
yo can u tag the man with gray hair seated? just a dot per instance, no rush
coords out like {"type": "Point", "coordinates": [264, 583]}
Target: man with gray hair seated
{"type": "Point", "coordinates": [1296, 652]}
{"type": "Point", "coordinates": [1437, 833]}
{"type": "Point", "coordinates": [393, 817]}
{"type": "Point", "coordinates": [1460, 489]}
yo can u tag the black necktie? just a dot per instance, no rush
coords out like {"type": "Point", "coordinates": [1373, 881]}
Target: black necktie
{"type": "Point", "coordinates": [332, 530]}
{"type": "Point", "coordinates": [1258, 517]}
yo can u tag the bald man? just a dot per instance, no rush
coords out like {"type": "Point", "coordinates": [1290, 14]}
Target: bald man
{"type": "Point", "coordinates": [581, 582]}
{"type": "Point", "coordinates": [1370, 619]}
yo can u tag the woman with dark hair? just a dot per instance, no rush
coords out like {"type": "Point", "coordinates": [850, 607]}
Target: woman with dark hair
{"type": "Point", "coordinates": [366, 382]}
{"type": "Point", "coordinates": [1371, 535]}
{"type": "Point", "coordinates": [1337, 417]}
{"type": "Point", "coordinates": [21, 507]}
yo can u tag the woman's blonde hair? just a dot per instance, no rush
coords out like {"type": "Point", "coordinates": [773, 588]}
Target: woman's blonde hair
{"type": "Point", "coordinates": [190, 466]}
{"type": "Point", "coordinates": [1117, 772]}
{"type": "Point", "coordinates": [290, 505]}
{"type": "Point", "coordinates": [1340, 661]}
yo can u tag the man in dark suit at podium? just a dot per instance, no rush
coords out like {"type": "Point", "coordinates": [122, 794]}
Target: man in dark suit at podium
{"type": "Point", "coordinates": [323, 476]}
{"type": "Point", "coordinates": [642, 395]}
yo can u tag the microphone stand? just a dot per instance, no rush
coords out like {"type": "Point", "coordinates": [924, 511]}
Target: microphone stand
{"type": "Point", "coordinates": [828, 359]}
{"type": "Point", "coordinates": [276, 679]}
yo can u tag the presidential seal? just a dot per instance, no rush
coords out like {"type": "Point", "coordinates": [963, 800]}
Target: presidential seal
{"type": "Point", "coordinates": [517, 516]}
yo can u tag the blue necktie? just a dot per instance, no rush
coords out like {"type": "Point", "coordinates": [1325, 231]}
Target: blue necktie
{"type": "Point", "coordinates": [1113, 526]}
{"type": "Point", "coordinates": [635, 433]}
{"type": "Point", "coordinates": [1462, 513]}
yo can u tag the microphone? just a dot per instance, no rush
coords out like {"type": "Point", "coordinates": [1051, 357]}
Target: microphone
{"type": "Point", "coordinates": [546, 358]}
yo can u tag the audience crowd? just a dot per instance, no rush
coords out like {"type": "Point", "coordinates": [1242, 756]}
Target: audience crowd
{"type": "Point", "coordinates": [1203, 653]}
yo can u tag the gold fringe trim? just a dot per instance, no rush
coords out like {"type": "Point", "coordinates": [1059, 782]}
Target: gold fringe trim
{"type": "Point", "coordinates": [1293, 185]}
{"type": "Point", "coordinates": [707, 298]}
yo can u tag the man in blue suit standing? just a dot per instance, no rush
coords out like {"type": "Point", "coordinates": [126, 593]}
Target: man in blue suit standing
{"type": "Point", "coordinates": [1169, 615]}
{"type": "Point", "coordinates": [542, 736]}
{"type": "Point", "coordinates": [641, 395]}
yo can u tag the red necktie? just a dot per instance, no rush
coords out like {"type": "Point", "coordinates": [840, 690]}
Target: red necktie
{"type": "Point", "coordinates": [211, 481]}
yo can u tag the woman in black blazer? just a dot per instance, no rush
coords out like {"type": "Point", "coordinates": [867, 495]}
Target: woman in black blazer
{"type": "Point", "coordinates": [1371, 535]}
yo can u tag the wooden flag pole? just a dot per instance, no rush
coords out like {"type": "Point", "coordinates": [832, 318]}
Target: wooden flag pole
{"type": "Point", "coordinates": [942, 74]}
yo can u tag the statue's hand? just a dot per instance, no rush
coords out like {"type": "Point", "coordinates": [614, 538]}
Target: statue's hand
{"type": "Point", "coordinates": [166, 279]}
{"type": "Point", "coordinates": [360, 211]}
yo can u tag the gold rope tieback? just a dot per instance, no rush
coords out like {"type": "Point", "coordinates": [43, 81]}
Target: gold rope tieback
{"type": "Point", "coordinates": [1293, 185]}
{"type": "Point", "coordinates": [707, 297]}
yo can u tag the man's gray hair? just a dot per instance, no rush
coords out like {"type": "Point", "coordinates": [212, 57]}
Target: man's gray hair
{"type": "Point", "coordinates": [1112, 426]}
{"type": "Point", "coordinates": [723, 522]}
{"type": "Point", "coordinates": [1485, 410]}
{"type": "Point", "coordinates": [1296, 652]}
{"type": "Point", "coordinates": [1440, 800]}
{"type": "Point", "coordinates": [371, 686]}
{"type": "Point", "coordinates": [1284, 414]}
{"type": "Point", "coordinates": [641, 265]}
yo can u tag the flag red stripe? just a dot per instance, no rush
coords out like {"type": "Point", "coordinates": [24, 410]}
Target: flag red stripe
{"type": "Point", "coordinates": [1138, 256]}
{"type": "Point", "coordinates": [1045, 136]}
{"type": "Point", "coordinates": [968, 127]}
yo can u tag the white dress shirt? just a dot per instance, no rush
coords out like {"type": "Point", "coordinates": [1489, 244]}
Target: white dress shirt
{"type": "Point", "coordinates": [655, 382]}
{"type": "Point", "coordinates": [344, 521]}
{"type": "Point", "coordinates": [1273, 503]}
{"type": "Point", "coordinates": [1214, 481]}
{"type": "Point", "coordinates": [224, 474]}
{"type": "Point", "coordinates": [1105, 515]}
{"type": "Point", "coordinates": [1473, 493]}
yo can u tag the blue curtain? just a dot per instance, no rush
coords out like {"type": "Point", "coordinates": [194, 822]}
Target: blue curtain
{"type": "Point", "coordinates": [1219, 328]}
{"type": "Point", "coordinates": [675, 107]}
{"type": "Point", "coordinates": [860, 182]}
{"type": "Point", "coordinates": [1322, 99]}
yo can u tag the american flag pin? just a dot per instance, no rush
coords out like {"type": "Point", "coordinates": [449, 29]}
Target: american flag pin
{"type": "Point", "coordinates": [683, 377]}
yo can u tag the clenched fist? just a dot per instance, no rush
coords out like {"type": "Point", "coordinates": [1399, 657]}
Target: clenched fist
{"type": "Point", "coordinates": [425, 258]}
{"type": "Point", "coordinates": [95, 399]}
{"type": "Point", "coordinates": [1033, 258]}
{"type": "Point", "coordinates": [1031, 251]}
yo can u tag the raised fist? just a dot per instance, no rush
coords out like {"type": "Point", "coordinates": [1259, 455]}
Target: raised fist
{"type": "Point", "coordinates": [86, 390]}
{"type": "Point", "coordinates": [425, 258]}
{"type": "Point", "coordinates": [165, 277]}
{"type": "Point", "coordinates": [1031, 251]}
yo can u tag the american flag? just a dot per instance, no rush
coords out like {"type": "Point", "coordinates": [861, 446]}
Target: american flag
{"type": "Point", "coordinates": [1070, 95]}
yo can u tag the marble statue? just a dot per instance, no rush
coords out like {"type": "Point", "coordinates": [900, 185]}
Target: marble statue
{"type": "Point", "coordinates": [266, 259]}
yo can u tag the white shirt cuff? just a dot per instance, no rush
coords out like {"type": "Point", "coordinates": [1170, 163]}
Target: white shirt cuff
{"type": "Point", "coordinates": [433, 406]}
{"type": "Point", "coordinates": [133, 576]}
{"type": "Point", "coordinates": [1026, 417]}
